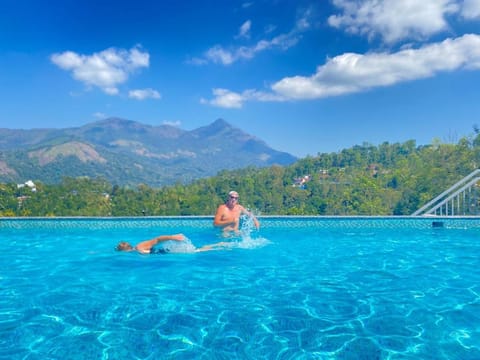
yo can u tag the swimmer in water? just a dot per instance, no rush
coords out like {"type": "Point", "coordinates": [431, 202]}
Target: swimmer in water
{"type": "Point", "coordinates": [148, 246]}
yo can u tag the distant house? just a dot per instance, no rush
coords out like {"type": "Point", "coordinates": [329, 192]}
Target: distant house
{"type": "Point", "coordinates": [29, 184]}
{"type": "Point", "coordinates": [300, 182]}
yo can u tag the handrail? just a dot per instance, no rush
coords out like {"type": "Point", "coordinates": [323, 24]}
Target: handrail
{"type": "Point", "coordinates": [452, 196]}
{"type": "Point", "coordinates": [446, 192]}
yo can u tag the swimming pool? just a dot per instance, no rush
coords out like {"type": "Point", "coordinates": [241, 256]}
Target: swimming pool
{"type": "Point", "coordinates": [299, 288]}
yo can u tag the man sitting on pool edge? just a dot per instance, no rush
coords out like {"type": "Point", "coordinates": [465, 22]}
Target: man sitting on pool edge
{"type": "Point", "coordinates": [227, 216]}
{"type": "Point", "coordinates": [147, 246]}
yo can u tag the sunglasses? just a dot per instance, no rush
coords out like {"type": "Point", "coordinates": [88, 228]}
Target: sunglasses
{"type": "Point", "coordinates": [234, 197]}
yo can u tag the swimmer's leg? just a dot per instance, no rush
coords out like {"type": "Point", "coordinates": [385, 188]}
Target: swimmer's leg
{"type": "Point", "coordinates": [216, 246]}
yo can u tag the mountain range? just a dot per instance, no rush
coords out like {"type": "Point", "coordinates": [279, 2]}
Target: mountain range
{"type": "Point", "coordinates": [127, 152]}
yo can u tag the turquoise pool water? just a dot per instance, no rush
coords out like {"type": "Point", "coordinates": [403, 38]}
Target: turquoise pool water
{"type": "Point", "coordinates": [299, 288]}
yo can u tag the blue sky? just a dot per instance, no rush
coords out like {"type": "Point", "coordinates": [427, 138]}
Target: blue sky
{"type": "Point", "coordinates": [307, 77]}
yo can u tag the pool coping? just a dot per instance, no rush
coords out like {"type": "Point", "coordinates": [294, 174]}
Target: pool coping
{"type": "Point", "coordinates": [267, 221]}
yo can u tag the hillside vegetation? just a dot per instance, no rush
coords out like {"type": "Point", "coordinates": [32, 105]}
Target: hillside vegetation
{"type": "Point", "coordinates": [389, 179]}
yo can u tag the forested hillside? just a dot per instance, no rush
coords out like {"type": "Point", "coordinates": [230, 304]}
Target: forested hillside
{"type": "Point", "coordinates": [389, 179]}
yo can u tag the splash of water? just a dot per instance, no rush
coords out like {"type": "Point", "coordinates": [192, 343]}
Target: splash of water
{"type": "Point", "coordinates": [247, 226]}
{"type": "Point", "coordinates": [246, 229]}
{"type": "Point", "coordinates": [244, 240]}
{"type": "Point", "coordinates": [185, 246]}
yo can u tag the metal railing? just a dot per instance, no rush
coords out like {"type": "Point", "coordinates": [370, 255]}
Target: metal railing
{"type": "Point", "coordinates": [460, 199]}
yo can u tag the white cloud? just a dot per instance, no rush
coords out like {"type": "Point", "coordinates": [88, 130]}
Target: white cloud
{"type": "Point", "coordinates": [217, 55]}
{"type": "Point", "coordinates": [350, 72]}
{"type": "Point", "coordinates": [220, 55]}
{"type": "Point", "coordinates": [173, 123]}
{"type": "Point", "coordinates": [270, 28]}
{"type": "Point", "coordinates": [471, 9]}
{"type": "Point", "coordinates": [226, 99]}
{"type": "Point", "coordinates": [394, 20]}
{"type": "Point", "coordinates": [142, 94]}
{"type": "Point", "coordinates": [232, 100]}
{"type": "Point", "coordinates": [244, 31]}
{"type": "Point", "coordinates": [100, 115]}
{"type": "Point", "coordinates": [106, 69]}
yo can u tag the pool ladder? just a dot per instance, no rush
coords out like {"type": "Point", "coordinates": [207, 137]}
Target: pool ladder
{"type": "Point", "coordinates": [459, 200]}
